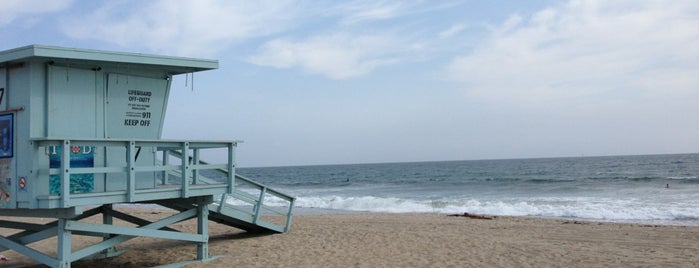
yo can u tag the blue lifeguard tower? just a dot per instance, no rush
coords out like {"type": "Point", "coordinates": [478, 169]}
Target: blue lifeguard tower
{"type": "Point", "coordinates": [81, 131]}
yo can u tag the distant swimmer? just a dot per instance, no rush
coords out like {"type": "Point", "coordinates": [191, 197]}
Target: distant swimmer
{"type": "Point", "coordinates": [667, 186]}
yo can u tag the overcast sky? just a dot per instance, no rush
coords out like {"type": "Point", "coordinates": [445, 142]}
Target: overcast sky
{"type": "Point", "coordinates": [330, 82]}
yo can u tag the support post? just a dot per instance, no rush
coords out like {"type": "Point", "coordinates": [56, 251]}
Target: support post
{"type": "Point", "coordinates": [231, 167]}
{"type": "Point", "coordinates": [64, 244]}
{"type": "Point", "coordinates": [131, 171]}
{"type": "Point", "coordinates": [34, 172]}
{"type": "Point", "coordinates": [258, 207]}
{"type": "Point", "coordinates": [185, 170]}
{"type": "Point", "coordinates": [289, 215]}
{"type": "Point", "coordinates": [65, 174]}
{"type": "Point", "coordinates": [195, 163]}
{"type": "Point", "coordinates": [203, 229]}
{"type": "Point", "coordinates": [107, 219]}
{"type": "Point", "coordinates": [166, 162]}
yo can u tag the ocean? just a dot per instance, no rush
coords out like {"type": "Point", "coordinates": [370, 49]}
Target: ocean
{"type": "Point", "coordinates": [648, 189]}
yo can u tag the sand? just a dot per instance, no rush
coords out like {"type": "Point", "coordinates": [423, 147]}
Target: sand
{"type": "Point", "coordinates": [412, 240]}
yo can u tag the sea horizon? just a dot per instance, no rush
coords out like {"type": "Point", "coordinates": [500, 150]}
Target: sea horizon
{"type": "Point", "coordinates": [458, 160]}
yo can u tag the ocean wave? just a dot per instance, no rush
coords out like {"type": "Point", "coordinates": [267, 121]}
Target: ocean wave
{"type": "Point", "coordinates": [624, 178]}
{"type": "Point", "coordinates": [408, 182]}
{"type": "Point", "coordinates": [580, 207]}
{"type": "Point", "coordinates": [682, 178]}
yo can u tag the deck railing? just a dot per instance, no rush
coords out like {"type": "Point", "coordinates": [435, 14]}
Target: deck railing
{"type": "Point", "coordinates": [180, 172]}
{"type": "Point", "coordinates": [128, 167]}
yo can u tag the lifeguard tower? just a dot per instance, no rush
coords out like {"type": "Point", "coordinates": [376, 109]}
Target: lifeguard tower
{"type": "Point", "coordinates": [81, 131]}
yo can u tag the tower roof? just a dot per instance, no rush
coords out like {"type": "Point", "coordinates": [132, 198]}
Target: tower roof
{"type": "Point", "coordinates": [171, 65]}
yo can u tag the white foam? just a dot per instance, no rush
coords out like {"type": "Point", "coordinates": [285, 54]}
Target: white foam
{"type": "Point", "coordinates": [578, 207]}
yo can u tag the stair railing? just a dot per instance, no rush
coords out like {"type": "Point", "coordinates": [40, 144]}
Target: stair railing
{"type": "Point", "coordinates": [247, 198]}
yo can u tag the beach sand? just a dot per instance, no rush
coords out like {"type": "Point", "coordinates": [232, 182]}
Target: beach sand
{"type": "Point", "coordinates": [410, 240]}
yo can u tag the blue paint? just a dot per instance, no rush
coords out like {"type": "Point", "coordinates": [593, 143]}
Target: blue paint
{"type": "Point", "coordinates": [80, 157]}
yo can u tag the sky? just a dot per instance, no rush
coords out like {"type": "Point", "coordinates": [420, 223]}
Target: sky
{"type": "Point", "coordinates": [340, 82]}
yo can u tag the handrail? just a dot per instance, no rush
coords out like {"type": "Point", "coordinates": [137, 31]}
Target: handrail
{"type": "Point", "coordinates": [256, 201]}
{"type": "Point", "coordinates": [250, 181]}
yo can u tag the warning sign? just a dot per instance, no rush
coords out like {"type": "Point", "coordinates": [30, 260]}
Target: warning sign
{"type": "Point", "coordinates": [135, 108]}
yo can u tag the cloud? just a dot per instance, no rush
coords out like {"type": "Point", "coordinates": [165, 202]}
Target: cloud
{"type": "Point", "coordinates": [368, 35]}
{"type": "Point", "coordinates": [452, 31]}
{"type": "Point", "coordinates": [366, 11]}
{"type": "Point", "coordinates": [191, 28]}
{"type": "Point", "coordinates": [587, 48]}
{"type": "Point", "coordinates": [337, 56]}
{"type": "Point", "coordinates": [14, 9]}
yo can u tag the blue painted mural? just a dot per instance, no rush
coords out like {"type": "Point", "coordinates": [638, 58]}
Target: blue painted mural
{"type": "Point", "coordinates": [80, 156]}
